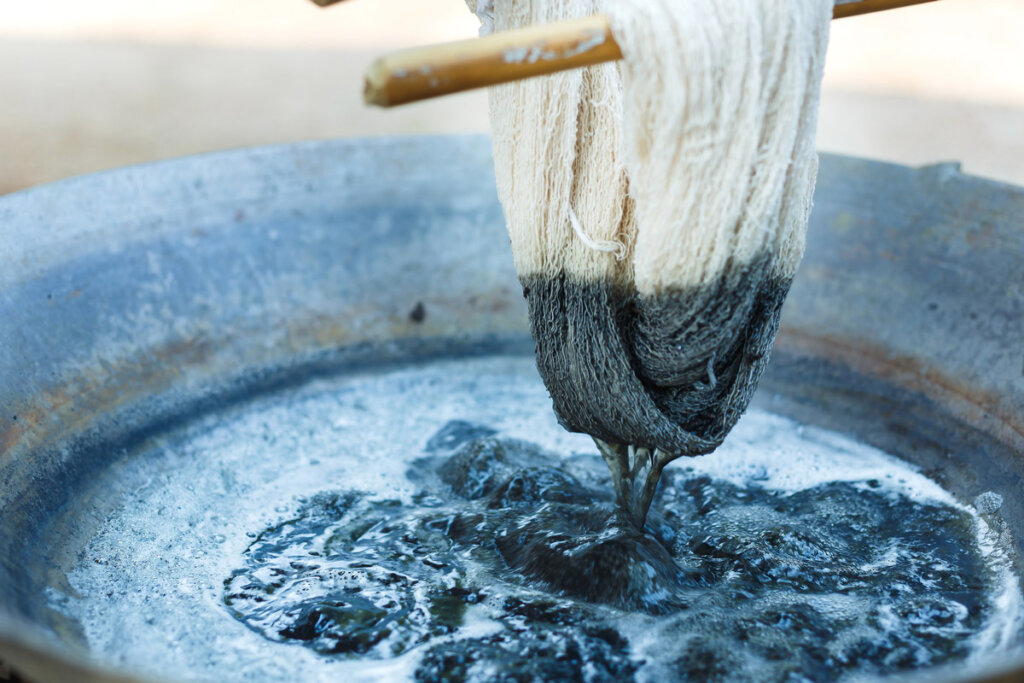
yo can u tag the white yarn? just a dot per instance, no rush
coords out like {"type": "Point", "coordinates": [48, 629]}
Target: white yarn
{"type": "Point", "coordinates": [694, 154]}
{"type": "Point", "coordinates": [484, 10]}
{"type": "Point", "coordinates": [611, 246]}
{"type": "Point", "coordinates": [721, 112]}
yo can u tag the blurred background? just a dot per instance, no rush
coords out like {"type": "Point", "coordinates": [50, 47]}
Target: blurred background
{"type": "Point", "coordinates": [87, 85]}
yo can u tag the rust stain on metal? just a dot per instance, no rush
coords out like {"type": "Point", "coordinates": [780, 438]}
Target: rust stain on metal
{"type": "Point", "coordinates": [980, 407]}
{"type": "Point", "coordinates": [70, 407]}
{"type": "Point", "coordinates": [108, 384]}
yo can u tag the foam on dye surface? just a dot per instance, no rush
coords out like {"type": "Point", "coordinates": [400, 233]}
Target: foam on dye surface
{"type": "Point", "coordinates": [149, 590]}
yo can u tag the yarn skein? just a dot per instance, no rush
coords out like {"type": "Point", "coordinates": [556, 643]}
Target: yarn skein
{"type": "Point", "coordinates": [690, 165]}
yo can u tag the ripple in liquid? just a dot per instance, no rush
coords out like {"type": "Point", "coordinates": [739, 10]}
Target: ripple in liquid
{"type": "Point", "coordinates": [730, 582]}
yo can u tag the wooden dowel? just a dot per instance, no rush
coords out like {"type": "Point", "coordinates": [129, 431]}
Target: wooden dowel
{"type": "Point", "coordinates": [426, 72]}
{"type": "Point", "coordinates": [843, 8]}
{"type": "Point", "coordinates": [852, 8]}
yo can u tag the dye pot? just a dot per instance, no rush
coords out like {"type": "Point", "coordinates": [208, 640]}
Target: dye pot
{"type": "Point", "coordinates": [141, 300]}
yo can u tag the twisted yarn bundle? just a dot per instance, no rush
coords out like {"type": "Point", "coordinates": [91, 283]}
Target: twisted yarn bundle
{"type": "Point", "coordinates": [657, 207]}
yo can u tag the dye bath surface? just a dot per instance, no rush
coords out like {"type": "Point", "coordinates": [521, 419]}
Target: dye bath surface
{"type": "Point", "coordinates": [434, 522]}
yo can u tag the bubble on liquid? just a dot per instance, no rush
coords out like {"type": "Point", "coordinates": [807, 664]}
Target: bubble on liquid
{"type": "Point", "coordinates": [988, 503]}
{"type": "Point", "coordinates": [462, 535]}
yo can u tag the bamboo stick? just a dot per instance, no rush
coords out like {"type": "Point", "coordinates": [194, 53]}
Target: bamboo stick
{"type": "Point", "coordinates": [852, 8]}
{"type": "Point", "coordinates": [432, 71]}
{"type": "Point", "coordinates": [436, 70]}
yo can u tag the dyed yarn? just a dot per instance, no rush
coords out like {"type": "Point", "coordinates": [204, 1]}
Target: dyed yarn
{"type": "Point", "coordinates": [657, 207]}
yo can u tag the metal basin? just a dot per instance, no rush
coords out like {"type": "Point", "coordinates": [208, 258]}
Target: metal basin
{"type": "Point", "coordinates": [135, 300]}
